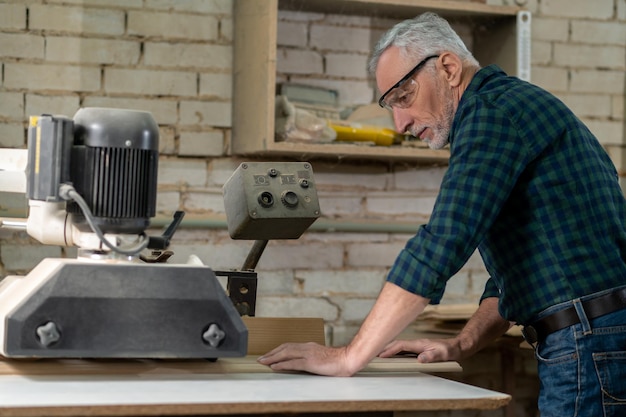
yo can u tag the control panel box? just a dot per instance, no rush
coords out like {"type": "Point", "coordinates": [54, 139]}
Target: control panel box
{"type": "Point", "coordinates": [270, 200]}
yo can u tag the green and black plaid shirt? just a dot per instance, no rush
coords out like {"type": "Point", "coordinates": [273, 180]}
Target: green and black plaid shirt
{"type": "Point", "coordinates": [529, 186]}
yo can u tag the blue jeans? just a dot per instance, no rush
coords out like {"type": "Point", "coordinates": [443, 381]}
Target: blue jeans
{"type": "Point", "coordinates": [582, 368]}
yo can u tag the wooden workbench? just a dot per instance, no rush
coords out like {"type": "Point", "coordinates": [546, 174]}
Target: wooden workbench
{"type": "Point", "coordinates": [228, 386]}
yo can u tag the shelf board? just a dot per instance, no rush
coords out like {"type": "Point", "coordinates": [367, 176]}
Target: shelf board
{"type": "Point", "coordinates": [399, 9]}
{"type": "Point", "coordinates": [339, 151]}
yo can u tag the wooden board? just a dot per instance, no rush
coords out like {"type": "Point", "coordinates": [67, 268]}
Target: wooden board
{"type": "Point", "coordinates": [266, 333]}
{"type": "Point", "coordinates": [246, 364]}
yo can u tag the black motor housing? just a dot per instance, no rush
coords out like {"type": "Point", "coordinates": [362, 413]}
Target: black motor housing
{"type": "Point", "coordinates": [114, 164]}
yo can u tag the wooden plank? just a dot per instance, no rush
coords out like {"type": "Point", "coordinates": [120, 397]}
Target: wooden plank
{"type": "Point", "coordinates": [247, 364]}
{"type": "Point", "coordinates": [400, 9]}
{"type": "Point", "coordinates": [310, 151]}
{"type": "Point", "coordinates": [266, 333]}
{"type": "Point", "coordinates": [254, 74]}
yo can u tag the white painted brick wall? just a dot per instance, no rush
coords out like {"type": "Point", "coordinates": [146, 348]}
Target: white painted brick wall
{"type": "Point", "coordinates": [201, 144]}
{"type": "Point", "coordinates": [203, 202]}
{"type": "Point", "coordinates": [299, 62]}
{"type": "Point", "coordinates": [604, 81]}
{"type": "Point", "coordinates": [346, 65]}
{"type": "Point", "coordinates": [12, 106]}
{"type": "Point", "coordinates": [109, 3]}
{"type": "Point", "coordinates": [17, 45]}
{"type": "Point", "coordinates": [588, 105]}
{"type": "Point", "coordinates": [40, 104]}
{"type": "Point", "coordinates": [179, 54]}
{"type": "Point", "coordinates": [216, 85]}
{"type": "Point", "coordinates": [337, 38]}
{"type": "Point", "coordinates": [549, 29]}
{"type": "Point", "coordinates": [357, 282]}
{"type": "Point", "coordinates": [11, 135]}
{"type": "Point", "coordinates": [373, 254]}
{"type": "Point", "coordinates": [600, 33]}
{"type": "Point", "coordinates": [187, 172]}
{"type": "Point", "coordinates": [153, 82]}
{"type": "Point", "coordinates": [589, 56]}
{"type": "Point", "coordinates": [78, 20]}
{"type": "Point", "coordinates": [172, 26]}
{"type": "Point", "coordinates": [542, 54]}
{"type": "Point", "coordinates": [617, 106]}
{"type": "Point", "coordinates": [164, 111]}
{"type": "Point", "coordinates": [597, 9]}
{"type": "Point", "coordinates": [12, 16]}
{"type": "Point", "coordinates": [193, 6]}
{"type": "Point", "coordinates": [399, 205]}
{"type": "Point", "coordinates": [37, 77]}
{"type": "Point", "coordinates": [95, 51]}
{"type": "Point", "coordinates": [292, 34]}
{"type": "Point", "coordinates": [203, 113]}
{"type": "Point", "coordinates": [551, 78]}
{"type": "Point", "coordinates": [607, 132]}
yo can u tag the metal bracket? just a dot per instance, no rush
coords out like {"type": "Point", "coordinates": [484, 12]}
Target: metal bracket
{"type": "Point", "coordinates": [241, 288]}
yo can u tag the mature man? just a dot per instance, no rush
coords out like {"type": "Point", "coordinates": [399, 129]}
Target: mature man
{"type": "Point", "coordinates": [533, 190]}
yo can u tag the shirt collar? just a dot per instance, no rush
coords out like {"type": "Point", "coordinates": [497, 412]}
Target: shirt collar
{"type": "Point", "coordinates": [482, 76]}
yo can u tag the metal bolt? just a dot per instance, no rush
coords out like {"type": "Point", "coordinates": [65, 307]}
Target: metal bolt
{"type": "Point", "coordinates": [48, 333]}
{"type": "Point", "coordinates": [213, 335]}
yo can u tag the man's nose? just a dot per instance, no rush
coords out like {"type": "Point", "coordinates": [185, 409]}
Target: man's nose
{"type": "Point", "coordinates": [400, 120]}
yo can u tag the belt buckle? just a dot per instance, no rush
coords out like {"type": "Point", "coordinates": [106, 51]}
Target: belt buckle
{"type": "Point", "coordinates": [530, 334]}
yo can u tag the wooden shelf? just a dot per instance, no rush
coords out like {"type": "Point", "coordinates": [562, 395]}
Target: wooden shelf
{"type": "Point", "coordinates": [353, 151]}
{"type": "Point", "coordinates": [494, 35]}
{"type": "Point", "coordinates": [399, 9]}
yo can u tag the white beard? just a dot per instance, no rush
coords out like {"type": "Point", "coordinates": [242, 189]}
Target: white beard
{"type": "Point", "coordinates": [441, 132]}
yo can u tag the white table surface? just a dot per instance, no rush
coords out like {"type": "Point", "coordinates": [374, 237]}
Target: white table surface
{"type": "Point", "coordinates": [238, 393]}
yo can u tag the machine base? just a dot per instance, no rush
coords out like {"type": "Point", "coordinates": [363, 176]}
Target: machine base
{"type": "Point", "coordinates": [79, 309]}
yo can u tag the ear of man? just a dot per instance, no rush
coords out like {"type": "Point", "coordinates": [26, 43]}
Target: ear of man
{"type": "Point", "coordinates": [451, 68]}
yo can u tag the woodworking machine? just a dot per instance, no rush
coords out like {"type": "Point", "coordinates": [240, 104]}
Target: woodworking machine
{"type": "Point", "coordinates": [91, 182]}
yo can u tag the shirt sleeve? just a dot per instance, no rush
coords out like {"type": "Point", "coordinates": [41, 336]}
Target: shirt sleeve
{"type": "Point", "coordinates": [491, 290]}
{"type": "Point", "coordinates": [487, 156]}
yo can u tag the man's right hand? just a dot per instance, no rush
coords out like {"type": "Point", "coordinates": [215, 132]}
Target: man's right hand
{"type": "Point", "coordinates": [485, 325]}
{"type": "Point", "coordinates": [427, 350]}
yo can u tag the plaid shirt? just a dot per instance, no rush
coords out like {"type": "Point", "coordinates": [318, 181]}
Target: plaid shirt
{"type": "Point", "coordinates": [529, 186]}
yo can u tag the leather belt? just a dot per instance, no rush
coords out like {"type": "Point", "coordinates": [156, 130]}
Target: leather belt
{"type": "Point", "coordinates": [594, 307]}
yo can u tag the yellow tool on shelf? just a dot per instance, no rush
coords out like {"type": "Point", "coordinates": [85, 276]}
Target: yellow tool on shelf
{"type": "Point", "coordinates": [356, 132]}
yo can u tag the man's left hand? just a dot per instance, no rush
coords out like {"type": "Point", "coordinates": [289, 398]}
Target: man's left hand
{"type": "Point", "coordinates": [308, 357]}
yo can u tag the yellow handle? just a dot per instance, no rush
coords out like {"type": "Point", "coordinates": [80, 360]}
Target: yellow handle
{"type": "Point", "coordinates": [362, 133]}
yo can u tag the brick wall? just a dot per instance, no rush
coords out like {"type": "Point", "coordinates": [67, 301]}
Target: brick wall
{"type": "Point", "coordinates": [174, 59]}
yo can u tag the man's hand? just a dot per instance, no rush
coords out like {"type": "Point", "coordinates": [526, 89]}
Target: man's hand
{"type": "Point", "coordinates": [485, 325]}
{"type": "Point", "coordinates": [428, 350]}
{"type": "Point", "coordinates": [308, 357]}
{"type": "Point", "coordinates": [393, 310]}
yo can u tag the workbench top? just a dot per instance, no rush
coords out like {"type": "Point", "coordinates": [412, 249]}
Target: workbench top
{"type": "Point", "coordinates": [226, 387]}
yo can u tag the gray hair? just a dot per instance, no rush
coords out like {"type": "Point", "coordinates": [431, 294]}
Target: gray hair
{"type": "Point", "coordinates": [426, 34]}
